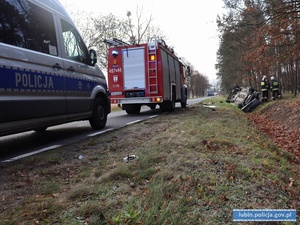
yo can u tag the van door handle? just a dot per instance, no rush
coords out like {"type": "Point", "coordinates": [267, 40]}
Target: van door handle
{"type": "Point", "coordinates": [71, 69]}
{"type": "Point", "coordinates": [57, 66]}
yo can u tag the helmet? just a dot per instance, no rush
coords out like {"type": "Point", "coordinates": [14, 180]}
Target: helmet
{"type": "Point", "coordinates": [272, 78]}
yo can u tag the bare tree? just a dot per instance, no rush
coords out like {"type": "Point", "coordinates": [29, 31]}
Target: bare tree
{"type": "Point", "coordinates": [142, 26]}
{"type": "Point", "coordinates": [105, 28]}
{"type": "Point", "coordinates": [95, 29]}
{"type": "Point", "coordinates": [260, 37]}
{"type": "Point", "coordinates": [198, 84]}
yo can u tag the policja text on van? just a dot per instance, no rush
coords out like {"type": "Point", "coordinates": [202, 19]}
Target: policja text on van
{"type": "Point", "coordinates": [33, 81]}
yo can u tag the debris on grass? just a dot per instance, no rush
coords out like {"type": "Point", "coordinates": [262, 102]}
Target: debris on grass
{"type": "Point", "coordinates": [130, 158]}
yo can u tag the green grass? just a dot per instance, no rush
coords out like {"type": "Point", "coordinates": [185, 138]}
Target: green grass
{"type": "Point", "coordinates": [194, 167]}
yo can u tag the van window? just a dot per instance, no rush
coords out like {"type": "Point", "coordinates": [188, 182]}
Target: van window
{"type": "Point", "coordinates": [26, 25]}
{"type": "Point", "coordinates": [74, 45]}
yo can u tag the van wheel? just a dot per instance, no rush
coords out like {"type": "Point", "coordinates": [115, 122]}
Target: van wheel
{"type": "Point", "coordinates": [99, 117]}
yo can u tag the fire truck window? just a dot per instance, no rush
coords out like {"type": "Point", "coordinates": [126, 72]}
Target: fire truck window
{"type": "Point", "coordinates": [74, 45]}
{"type": "Point", "coordinates": [26, 25]}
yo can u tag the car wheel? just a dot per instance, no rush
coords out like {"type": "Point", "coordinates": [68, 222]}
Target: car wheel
{"type": "Point", "coordinates": [99, 117]}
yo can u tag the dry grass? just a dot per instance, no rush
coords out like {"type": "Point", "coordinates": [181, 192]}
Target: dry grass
{"type": "Point", "coordinates": [115, 107]}
{"type": "Point", "coordinates": [194, 167]}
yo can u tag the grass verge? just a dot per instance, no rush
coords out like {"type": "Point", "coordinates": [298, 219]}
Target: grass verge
{"type": "Point", "coordinates": [194, 166]}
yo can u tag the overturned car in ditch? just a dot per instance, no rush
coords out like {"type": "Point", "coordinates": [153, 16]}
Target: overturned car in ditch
{"type": "Point", "coordinates": [246, 99]}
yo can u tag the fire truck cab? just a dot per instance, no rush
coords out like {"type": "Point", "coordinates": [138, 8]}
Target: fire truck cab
{"type": "Point", "coordinates": [145, 74]}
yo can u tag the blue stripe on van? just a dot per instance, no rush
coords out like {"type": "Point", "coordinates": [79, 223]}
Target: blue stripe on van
{"type": "Point", "coordinates": [16, 79]}
{"type": "Point", "coordinates": [82, 85]}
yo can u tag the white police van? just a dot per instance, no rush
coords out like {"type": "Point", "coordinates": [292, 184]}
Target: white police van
{"type": "Point", "coordinates": [47, 74]}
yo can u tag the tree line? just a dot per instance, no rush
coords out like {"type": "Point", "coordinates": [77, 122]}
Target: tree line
{"type": "Point", "coordinates": [132, 28]}
{"type": "Point", "coordinates": [259, 37]}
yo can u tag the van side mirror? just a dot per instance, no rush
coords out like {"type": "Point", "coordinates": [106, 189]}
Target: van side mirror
{"type": "Point", "coordinates": [93, 57]}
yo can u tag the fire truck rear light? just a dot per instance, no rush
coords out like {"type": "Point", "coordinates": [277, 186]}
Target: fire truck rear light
{"type": "Point", "coordinates": [115, 61]}
{"type": "Point", "coordinates": [155, 99]}
{"type": "Point", "coordinates": [152, 57]}
{"type": "Point", "coordinates": [114, 101]}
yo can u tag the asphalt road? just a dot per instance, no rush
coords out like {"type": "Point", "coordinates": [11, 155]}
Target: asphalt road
{"type": "Point", "coordinates": [14, 147]}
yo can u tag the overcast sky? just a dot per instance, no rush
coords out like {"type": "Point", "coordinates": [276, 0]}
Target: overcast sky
{"type": "Point", "coordinates": [190, 25]}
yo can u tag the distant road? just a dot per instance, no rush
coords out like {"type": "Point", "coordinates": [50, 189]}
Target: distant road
{"type": "Point", "coordinates": [14, 147]}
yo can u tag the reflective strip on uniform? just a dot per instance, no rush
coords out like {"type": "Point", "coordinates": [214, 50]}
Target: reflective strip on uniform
{"type": "Point", "coordinates": [264, 86]}
{"type": "Point", "coordinates": [275, 86]}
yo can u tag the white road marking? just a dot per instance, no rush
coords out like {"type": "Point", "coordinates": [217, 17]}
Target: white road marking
{"type": "Point", "coordinates": [56, 146]}
{"type": "Point", "coordinates": [152, 116]}
{"type": "Point", "coordinates": [136, 121]}
{"type": "Point", "coordinates": [32, 153]}
{"type": "Point", "coordinates": [100, 132]}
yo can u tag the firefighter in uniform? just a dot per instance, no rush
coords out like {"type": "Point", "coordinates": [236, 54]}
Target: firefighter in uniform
{"type": "Point", "coordinates": [274, 88]}
{"type": "Point", "coordinates": [264, 89]}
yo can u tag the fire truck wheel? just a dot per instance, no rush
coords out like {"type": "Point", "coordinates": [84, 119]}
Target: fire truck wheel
{"type": "Point", "coordinates": [99, 117]}
{"type": "Point", "coordinates": [183, 98]}
{"type": "Point", "coordinates": [183, 102]}
{"type": "Point", "coordinates": [173, 100]}
{"type": "Point", "coordinates": [167, 106]}
{"type": "Point", "coordinates": [152, 106]}
{"type": "Point", "coordinates": [163, 107]}
{"type": "Point", "coordinates": [134, 110]}
{"type": "Point", "coordinates": [173, 104]}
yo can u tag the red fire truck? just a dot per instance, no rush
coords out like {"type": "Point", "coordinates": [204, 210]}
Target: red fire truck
{"type": "Point", "coordinates": [145, 74]}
